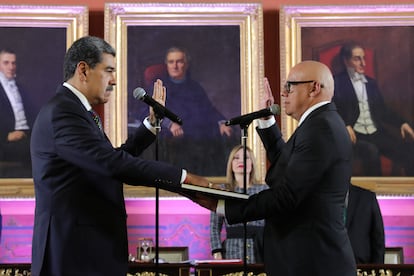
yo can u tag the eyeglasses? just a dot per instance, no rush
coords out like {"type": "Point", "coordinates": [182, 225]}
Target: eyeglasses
{"type": "Point", "coordinates": [288, 84]}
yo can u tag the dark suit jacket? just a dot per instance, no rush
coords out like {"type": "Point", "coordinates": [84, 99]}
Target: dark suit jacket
{"type": "Point", "coordinates": [80, 216]}
{"type": "Point", "coordinates": [347, 103]}
{"type": "Point", "coordinates": [365, 226]}
{"type": "Point", "coordinates": [308, 178]}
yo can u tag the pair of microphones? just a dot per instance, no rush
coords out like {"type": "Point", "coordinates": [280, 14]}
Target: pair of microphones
{"type": "Point", "coordinates": [140, 94]}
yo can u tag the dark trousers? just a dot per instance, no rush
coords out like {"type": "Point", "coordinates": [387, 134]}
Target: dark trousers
{"type": "Point", "coordinates": [369, 148]}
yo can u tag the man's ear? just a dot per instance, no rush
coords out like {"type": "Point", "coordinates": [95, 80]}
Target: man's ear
{"type": "Point", "coordinates": [81, 68]}
{"type": "Point", "coordinates": [316, 89]}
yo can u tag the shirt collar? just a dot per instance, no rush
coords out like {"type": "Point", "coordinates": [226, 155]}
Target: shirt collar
{"type": "Point", "coordinates": [310, 109]}
{"type": "Point", "coordinates": [5, 80]}
{"type": "Point", "coordinates": [355, 76]}
{"type": "Point", "coordinates": [178, 81]}
{"type": "Point", "coordinates": [79, 94]}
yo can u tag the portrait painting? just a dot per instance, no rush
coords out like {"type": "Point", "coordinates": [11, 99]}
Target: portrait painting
{"type": "Point", "coordinates": [35, 39]}
{"type": "Point", "coordinates": [34, 83]}
{"type": "Point", "coordinates": [208, 97]}
{"type": "Point", "coordinates": [359, 42]}
{"type": "Point", "coordinates": [217, 47]}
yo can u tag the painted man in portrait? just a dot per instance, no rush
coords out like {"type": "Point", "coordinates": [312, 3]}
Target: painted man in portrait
{"type": "Point", "coordinates": [369, 119]}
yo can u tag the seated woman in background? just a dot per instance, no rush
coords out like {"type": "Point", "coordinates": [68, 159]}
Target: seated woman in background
{"type": "Point", "coordinates": [233, 245]}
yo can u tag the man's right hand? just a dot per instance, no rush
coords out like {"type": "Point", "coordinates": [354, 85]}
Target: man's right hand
{"type": "Point", "coordinates": [176, 130]}
{"type": "Point", "coordinates": [158, 94]}
{"type": "Point", "coordinates": [16, 135]}
{"type": "Point", "coordinates": [267, 100]}
{"type": "Point", "coordinates": [196, 180]}
{"type": "Point", "coordinates": [199, 198]}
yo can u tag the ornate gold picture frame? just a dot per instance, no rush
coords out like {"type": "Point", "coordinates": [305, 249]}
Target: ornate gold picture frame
{"type": "Point", "coordinates": [226, 45]}
{"type": "Point", "coordinates": [39, 36]}
{"type": "Point", "coordinates": [306, 29]}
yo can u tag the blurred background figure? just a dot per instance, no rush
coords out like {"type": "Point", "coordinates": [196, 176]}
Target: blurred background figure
{"type": "Point", "coordinates": [365, 226]}
{"type": "Point", "coordinates": [233, 245]}
{"type": "Point", "coordinates": [15, 123]}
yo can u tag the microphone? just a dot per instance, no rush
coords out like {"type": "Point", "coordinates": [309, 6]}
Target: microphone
{"type": "Point", "coordinates": [248, 118]}
{"type": "Point", "coordinates": [140, 94]}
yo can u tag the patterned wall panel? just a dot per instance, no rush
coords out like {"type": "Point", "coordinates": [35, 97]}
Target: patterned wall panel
{"type": "Point", "coordinates": [181, 223]}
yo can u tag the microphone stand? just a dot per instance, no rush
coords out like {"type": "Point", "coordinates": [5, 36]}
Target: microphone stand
{"type": "Point", "coordinates": [244, 126]}
{"type": "Point", "coordinates": [157, 193]}
{"type": "Point", "coordinates": [160, 113]}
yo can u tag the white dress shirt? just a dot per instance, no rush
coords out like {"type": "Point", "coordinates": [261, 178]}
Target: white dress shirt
{"type": "Point", "coordinates": [364, 123]}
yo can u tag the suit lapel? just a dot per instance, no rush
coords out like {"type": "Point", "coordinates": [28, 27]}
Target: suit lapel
{"type": "Point", "coordinates": [4, 100]}
{"type": "Point", "coordinates": [66, 91]}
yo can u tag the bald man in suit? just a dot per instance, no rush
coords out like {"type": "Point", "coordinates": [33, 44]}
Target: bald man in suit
{"type": "Point", "coordinates": [308, 177]}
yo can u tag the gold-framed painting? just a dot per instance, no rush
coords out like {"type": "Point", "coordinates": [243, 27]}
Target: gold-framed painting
{"type": "Point", "coordinates": [224, 69]}
{"type": "Point", "coordinates": [384, 32]}
{"type": "Point", "coordinates": [36, 37]}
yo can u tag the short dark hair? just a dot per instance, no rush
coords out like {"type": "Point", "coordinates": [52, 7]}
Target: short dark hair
{"type": "Point", "coordinates": [88, 49]}
{"type": "Point", "coordinates": [7, 51]}
{"type": "Point", "coordinates": [346, 50]}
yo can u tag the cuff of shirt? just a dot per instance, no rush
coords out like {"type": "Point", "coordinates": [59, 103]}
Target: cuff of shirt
{"type": "Point", "coordinates": [266, 123]}
{"type": "Point", "coordinates": [148, 125]}
{"type": "Point", "coordinates": [220, 207]}
{"type": "Point", "coordinates": [183, 176]}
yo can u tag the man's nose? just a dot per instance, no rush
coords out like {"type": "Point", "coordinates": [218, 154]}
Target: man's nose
{"type": "Point", "coordinates": [112, 81]}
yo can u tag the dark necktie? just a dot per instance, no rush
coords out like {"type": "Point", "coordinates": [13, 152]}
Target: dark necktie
{"type": "Point", "coordinates": [96, 118]}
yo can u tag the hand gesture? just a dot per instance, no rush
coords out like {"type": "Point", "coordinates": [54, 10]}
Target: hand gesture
{"type": "Point", "coordinates": [268, 98]}
{"type": "Point", "coordinates": [159, 94]}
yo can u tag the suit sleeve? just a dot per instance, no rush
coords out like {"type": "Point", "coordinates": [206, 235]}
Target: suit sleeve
{"type": "Point", "coordinates": [77, 141]}
{"type": "Point", "coordinates": [139, 141]}
{"type": "Point", "coordinates": [377, 237]}
{"type": "Point", "coordinates": [268, 137]}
